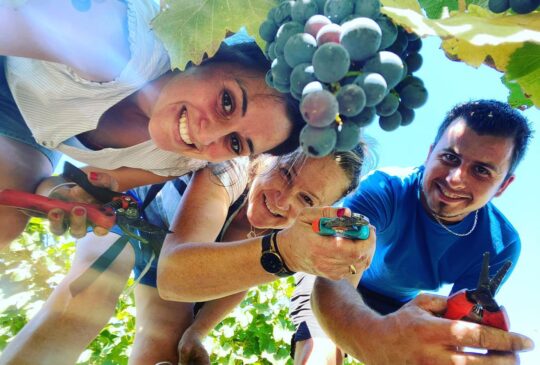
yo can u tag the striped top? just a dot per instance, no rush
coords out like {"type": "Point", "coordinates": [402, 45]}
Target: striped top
{"type": "Point", "coordinates": [57, 104]}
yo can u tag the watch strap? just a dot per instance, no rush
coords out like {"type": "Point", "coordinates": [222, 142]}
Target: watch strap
{"type": "Point", "coordinates": [286, 269]}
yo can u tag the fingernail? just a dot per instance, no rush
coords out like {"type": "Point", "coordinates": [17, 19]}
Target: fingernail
{"type": "Point", "coordinates": [94, 176]}
{"type": "Point", "coordinates": [340, 212]}
{"type": "Point", "coordinates": [55, 215]}
{"type": "Point", "coordinates": [79, 211]}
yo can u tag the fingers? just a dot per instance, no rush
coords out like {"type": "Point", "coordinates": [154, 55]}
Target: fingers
{"type": "Point", "coordinates": [78, 222]}
{"type": "Point", "coordinates": [102, 180]}
{"type": "Point", "coordinates": [433, 303]}
{"type": "Point", "coordinates": [474, 335]}
{"type": "Point", "coordinates": [56, 221]}
{"type": "Point", "coordinates": [308, 215]}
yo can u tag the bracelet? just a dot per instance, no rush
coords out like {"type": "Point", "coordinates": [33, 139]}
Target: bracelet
{"type": "Point", "coordinates": [286, 269]}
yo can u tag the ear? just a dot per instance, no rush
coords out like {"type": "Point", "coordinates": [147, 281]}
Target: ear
{"type": "Point", "coordinates": [504, 185]}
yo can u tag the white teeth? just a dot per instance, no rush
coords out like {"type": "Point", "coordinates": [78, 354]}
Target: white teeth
{"type": "Point", "coordinates": [183, 128]}
{"type": "Point", "coordinates": [270, 209]}
{"type": "Point", "coordinates": [450, 195]}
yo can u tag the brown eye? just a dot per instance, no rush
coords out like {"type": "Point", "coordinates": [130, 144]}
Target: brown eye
{"type": "Point", "coordinates": [286, 174]}
{"type": "Point", "coordinates": [307, 200]}
{"type": "Point", "coordinates": [236, 145]}
{"type": "Point", "coordinates": [227, 102]}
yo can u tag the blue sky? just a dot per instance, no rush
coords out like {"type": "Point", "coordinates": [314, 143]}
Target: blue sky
{"type": "Point", "coordinates": [449, 83]}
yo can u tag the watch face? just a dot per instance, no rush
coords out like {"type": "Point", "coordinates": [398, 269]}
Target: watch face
{"type": "Point", "coordinates": [271, 262]}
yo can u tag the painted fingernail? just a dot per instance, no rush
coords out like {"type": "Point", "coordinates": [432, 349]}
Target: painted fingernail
{"type": "Point", "coordinates": [94, 176]}
{"type": "Point", "coordinates": [340, 212]}
{"type": "Point", "coordinates": [55, 215]}
{"type": "Point", "coordinates": [79, 211]}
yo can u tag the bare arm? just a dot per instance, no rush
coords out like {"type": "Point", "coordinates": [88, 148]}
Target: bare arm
{"type": "Point", "coordinates": [93, 42]}
{"type": "Point", "coordinates": [201, 271]}
{"type": "Point", "coordinates": [414, 334]}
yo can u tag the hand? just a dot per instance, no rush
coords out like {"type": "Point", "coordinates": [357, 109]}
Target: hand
{"type": "Point", "coordinates": [331, 257]}
{"type": "Point", "coordinates": [191, 350]}
{"type": "Point", "coordinates": [56, 187]}
{"type": "Point", "coordinates": [416, 334]}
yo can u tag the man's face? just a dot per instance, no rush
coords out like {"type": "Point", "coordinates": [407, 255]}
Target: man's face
{"type": "Point", "coordinates": [464, 171]}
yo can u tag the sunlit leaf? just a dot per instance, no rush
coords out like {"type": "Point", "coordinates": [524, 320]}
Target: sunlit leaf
{"type": "Point", "coordinates": [191, 28]}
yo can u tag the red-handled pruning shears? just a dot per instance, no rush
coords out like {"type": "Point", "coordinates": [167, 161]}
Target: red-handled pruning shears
{"type": "Point", "coordinates": [477, 305]}
{"type": "Point", "coordinates": [117, 208]}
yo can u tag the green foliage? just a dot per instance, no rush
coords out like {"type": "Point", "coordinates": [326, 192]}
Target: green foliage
{"type": "Point", "coordinates": [256, 332]}
{"type": "Point", "coordinates": [191, 28]}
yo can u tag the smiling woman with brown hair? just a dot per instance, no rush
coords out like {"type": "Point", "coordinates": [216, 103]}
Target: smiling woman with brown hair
{"type": "Point", "coordinates": [108, 98]}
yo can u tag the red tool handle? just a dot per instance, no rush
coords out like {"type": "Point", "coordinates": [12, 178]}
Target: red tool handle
{"type": "Point", "coordinates": [99, 216]}
{"type": "Point", "coordinates": [459, 307]}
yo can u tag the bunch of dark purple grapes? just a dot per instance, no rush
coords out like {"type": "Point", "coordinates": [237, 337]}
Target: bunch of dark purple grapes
{"type": "Point", "coordinates": [518, 6]}
{"type": "Point", "coordinates": [347, 64]}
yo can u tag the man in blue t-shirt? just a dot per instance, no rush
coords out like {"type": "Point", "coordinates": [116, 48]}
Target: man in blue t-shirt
{"type": "Point", "coordinates": [433, 225]}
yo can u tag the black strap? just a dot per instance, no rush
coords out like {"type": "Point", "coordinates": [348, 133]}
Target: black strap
{"type": "Point", "coordinates": [101, 264]}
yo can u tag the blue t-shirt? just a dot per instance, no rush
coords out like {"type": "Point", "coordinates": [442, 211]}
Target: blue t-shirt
{"type": "Point", "coordinates": [413, 251]}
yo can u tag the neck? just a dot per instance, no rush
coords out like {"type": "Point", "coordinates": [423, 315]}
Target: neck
{"type": "Point", "coordinates": [148, 95]}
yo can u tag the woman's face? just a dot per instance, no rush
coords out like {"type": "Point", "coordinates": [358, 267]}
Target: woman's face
{"type": "Point", "coordinates": [277, 196]}
{"type": "Point", "coordinates": [217, 112]}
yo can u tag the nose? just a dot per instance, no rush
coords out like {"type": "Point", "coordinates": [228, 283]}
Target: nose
{"type": "Point", "coordinates": [212, 131]}
{"type": "Point", "coordinates": [283, 201]}
{"type": "Point", "coordinates": [456, 177]}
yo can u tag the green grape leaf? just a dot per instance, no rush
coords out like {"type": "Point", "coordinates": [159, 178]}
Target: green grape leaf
{"type": "Point", "coordinates": [478, 36]}
{"type": "Point", "coordinates": [516, 98]}
{"type": "Point", "coordinates": [189, 29]}
{"type": "Point", "coordinates": [523, 61]}
{"type": "Point", "coordinates": [435, 8]}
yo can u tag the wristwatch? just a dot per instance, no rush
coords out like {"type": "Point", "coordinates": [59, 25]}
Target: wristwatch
{"type": "Point", "coordinates": [271, 260]}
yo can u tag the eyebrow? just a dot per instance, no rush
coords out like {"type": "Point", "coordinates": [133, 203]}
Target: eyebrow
{"type": "Point", "coordinates": [244, 110]}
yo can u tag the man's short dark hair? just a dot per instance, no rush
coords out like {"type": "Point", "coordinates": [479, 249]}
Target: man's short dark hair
{"type": "Point", "coordinates": [494, 118]}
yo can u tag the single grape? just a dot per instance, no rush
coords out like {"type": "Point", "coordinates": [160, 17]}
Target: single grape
{"type": "Point", "coordinates": [413, 95]}
{"type": "Point", "coordinates": [351, 100]}
{"type": "Point", "coordinates": [268, 30]}
{"type": "Point", "coordinates": [414, 62]}
{"type": "Point", "coordinates": [374, 86]}
{"type": "Point", "coordinates": [319, 108]}
{"type": "Point", "coordinates": [414, 46]}
{"type": "Point", "coordinates": [331, 62]}
{"type": "Point", "coordinates": [285, 31]}
{"type": "Point", "coordinates": [283, 12]}
{"type": "Point", "coordinates": [390, 122]}
{"type": "Point", "coordinates": [400, 44]}
{"type": "Point", "coordinates": [524, 6]}
{"type": "Point", "coordinates": [407, 115]}
{"type": "Point", "coordinates": [407, 81]}
{"type": "Point", "coordinates": [317, 142]}
{"type": "Point", "coordinates": [301, 75]}
{"type": "Point", "coordinates": [299, 48]}
{"type": "Point", "coordinates": [361, 37]}
{"type": "Point", "coordinates": [302, 10]}
{"type": "Point", "coordinates": [271, 51]}
{"type": "Point", "coordinates": [320, 5]}
{"type": "Point", "coordinates": [348, 136]}
{"type": "Point", "coordinates": [281, 71]}
{"type": "Point", "coordinates": [498, 6]}
{"type": "Point", "coordinates": [388, 105]}
{"type": "Point", "coordinates": [282, 88]}
{"type": "Point", "coordinates": [364, 118]}
{"type": "Point", "coordinates": [388, 29]}
{"type": "Point", "coordinates": [311, 87]}
{"type": "Point", "coordinates": [367, 8]}
{"type": "Point", "coordinates": [388, 64]}
{"type": "Point", "coordinates": [335, 10]}
{"type": "Point", "coordinates": [315, 23]}
{"type": "Point", "coordinates": [328, 33]}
